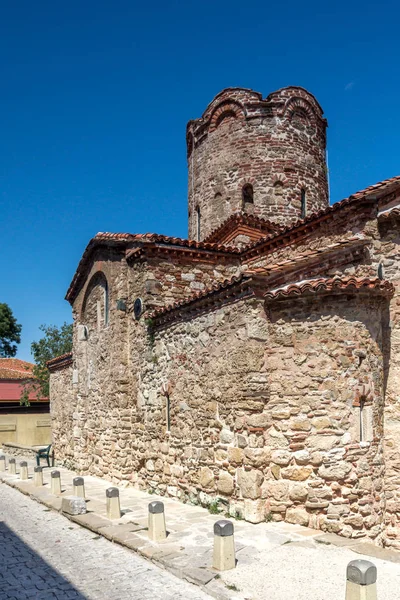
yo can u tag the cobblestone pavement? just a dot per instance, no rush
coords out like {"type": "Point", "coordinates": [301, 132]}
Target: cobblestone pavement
{"type": "Point", "coordinates": [44, 556]}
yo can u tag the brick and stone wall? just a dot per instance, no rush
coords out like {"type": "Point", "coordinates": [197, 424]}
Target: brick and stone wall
{"type": "Point", "coordinates": [265, 416]}
{"type": "Point", "coordinates": [276, 145]}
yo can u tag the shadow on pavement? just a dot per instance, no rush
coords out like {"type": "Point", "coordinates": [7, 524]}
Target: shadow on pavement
{"type": "Point", "coordinates": [24, 575]}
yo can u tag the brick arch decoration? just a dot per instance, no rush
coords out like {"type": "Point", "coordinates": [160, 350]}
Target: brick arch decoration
{"type": "Point", "coordinates": [223, 110]}
{"type": "Point", "coordinates": [97, 276]}
{"type": "Point", "coordinates": [299, 105]}
{"type": "Point", "coordinates": [280, 179]}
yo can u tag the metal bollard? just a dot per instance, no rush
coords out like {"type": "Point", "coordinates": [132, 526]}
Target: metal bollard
{"type": "Point", "coordinates": [55, 482]}
{"type": "Point", "coordinates": [78, 487]}
{"type": "Point", "coordinates": [23, 471]}
{"type": "Point", "coordinates": [38, 476]}
{"type": "Point", "coordinates": [2, 463]}
{"type": "Point", "coordinates": [12, 468]}
{"type": "Point", "coordinates": [361, 580]}
{"type": "Point", "coordinates": [224, 546]}
{"type": "Point", "coordinates": [157, 530]}
{"type": "Point", "coordinates": [113, 506]}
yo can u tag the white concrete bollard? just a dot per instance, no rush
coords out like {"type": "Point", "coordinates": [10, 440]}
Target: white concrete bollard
{"type": "Point", "coordinates": [55, 482]}
{"type": "Point", "coordinates": [12, 468]}
{"type": "Point", "coordinates": [113, 506]}
{"type": "Point", "coordinates": [2, 463]}
{"type": "Point", "coordinates": [224, 546]}
{"type": "Point", "coordinates": [23, 470]}
{"type": "Point", "coordinates": [361, 580]}
{"type": "Point", "coordinates": [78, 487]}
{"type": "Point", "coordinates": [157, 530]}
{"type": "Point", "coordinates": [38, 476]}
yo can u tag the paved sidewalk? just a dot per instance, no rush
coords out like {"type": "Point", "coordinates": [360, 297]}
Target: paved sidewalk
{"type": "Point", "coordinates": [275, 560]}
{"type": "Point", "coordinates": [45, 557]}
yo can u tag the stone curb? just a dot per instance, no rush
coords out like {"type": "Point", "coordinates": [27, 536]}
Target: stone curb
{"type": "Point", "coordinates": [124, 534]}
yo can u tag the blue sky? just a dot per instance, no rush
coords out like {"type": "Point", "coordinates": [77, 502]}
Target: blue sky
{"type": "Point", "coordinates": [94, 104]}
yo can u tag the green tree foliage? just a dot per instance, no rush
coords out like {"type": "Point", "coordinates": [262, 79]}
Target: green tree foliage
{"type": "Point", "coordinates": [10, 332]}
{"type": "Point", "coordinates": [56, 341]}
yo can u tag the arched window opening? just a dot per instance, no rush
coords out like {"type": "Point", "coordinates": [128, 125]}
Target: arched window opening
{"type": "Point", "coordinates": [299, 117]}
{"type": "Point", "coordinates": [247, 194]}
{"type": "Point", "coordinates": [96, 304]}
{"type": "Point", "coordinates": [106, 304]}
{"type": "Point", "coordinates": [198, 223]}
{"type": "Point", "coordinates": [303, 212]}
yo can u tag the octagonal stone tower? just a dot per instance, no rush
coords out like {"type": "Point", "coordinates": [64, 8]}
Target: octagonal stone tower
{"type": "Point", "coordinates": [261, 156]}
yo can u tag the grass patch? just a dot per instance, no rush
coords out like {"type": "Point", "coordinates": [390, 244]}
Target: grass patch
{"type": "Point", "coordinates": [269, 517]}
{"type": "Point", "coordinates": [232, 586]}
{"type": "Point", "coordinates": [213, 508]}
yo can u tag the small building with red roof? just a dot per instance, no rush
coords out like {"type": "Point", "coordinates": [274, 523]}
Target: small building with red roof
{"type": "Point", "coordinates": [19, 423]}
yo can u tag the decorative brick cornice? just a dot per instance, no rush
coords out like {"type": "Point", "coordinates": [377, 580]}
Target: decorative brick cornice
{"type": "Point", "coordinates": [333, 285]}
{"type": "Point", "coordinates": [60, 362]}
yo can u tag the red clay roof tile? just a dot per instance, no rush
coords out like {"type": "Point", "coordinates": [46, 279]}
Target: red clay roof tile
{"type": "Point", "coordinates": [347, 284]}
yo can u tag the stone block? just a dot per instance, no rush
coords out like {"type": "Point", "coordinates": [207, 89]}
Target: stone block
{"type": "Point", "coordinates": [296, 473]}
{"type": "Point", "coordinates": [73, 505]}
{"type": "Point", "coordinates": [206, 477]}
{"type": "Point", "coordinates": [298, 516]}
{"type": "Point", "coordinates": [276, 489]}
{"type": "Point", "coordinates": [336, 471]}
{"type": "Point", "coordinates": [254, 511]}
{"type": "Point", "coordinates": [235, 455]}
{"type": "Point", "coordinates": [281, 457]}
{"type": "Point", "coordinates": [250, 483]}
{"type": "Point", "coordinates": [225, 483]}
{"type": "Point", "coordinates": [298, 492]}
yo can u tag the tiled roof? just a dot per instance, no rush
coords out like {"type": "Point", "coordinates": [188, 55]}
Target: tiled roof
{"type": "Point", "coordinates": [334, 284]}
{"type": "Point", "coordinates": [59, 361]}
{"type": "Point", "coordinates": [122, 239]}
{"type": "Point", "coordinates": [15, 368]}
{"type": "Point", "coordinates": [260, 246]}
{"type": "Point", "coordinates": [332, 210]}
{"type": "Point", "coordinates": [377, 187]}
{"type": "Point", "coordinates": [210, 291]}
{"type": "Point", "coordinates": [239, 218]}
{"type": "Point", "coordinates": [392, 213]}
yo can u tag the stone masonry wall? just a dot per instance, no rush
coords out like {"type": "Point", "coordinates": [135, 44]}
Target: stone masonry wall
{"type": "Point", "coordinates": [62, 407]}
{"type": "Point", "coordinates": [264, 416]}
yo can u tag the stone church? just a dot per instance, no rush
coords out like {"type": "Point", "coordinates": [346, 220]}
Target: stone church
{"type": "Point", "coordinates": [257, 363]}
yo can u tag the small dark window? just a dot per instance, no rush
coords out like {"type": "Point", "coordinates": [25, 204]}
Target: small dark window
{"type": "Point", "coordinates": [198, 226]}
{"type": "Point", "coordinates": [303, 204]}
{"type": "Point", "coordinates": [168, 411]}
{"type": "Point", "coordinates": [247, 194]}
{"type": "Point", "coordinates": [106, 304]}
